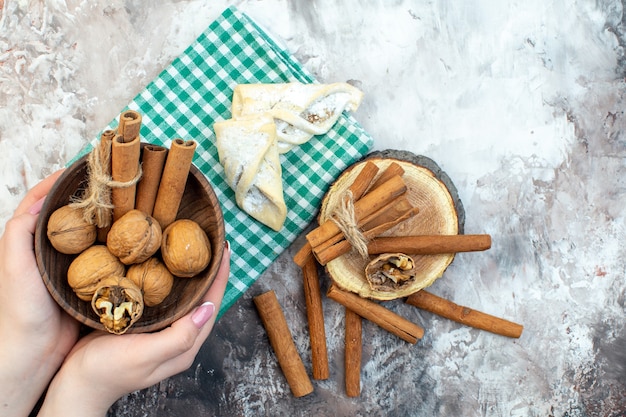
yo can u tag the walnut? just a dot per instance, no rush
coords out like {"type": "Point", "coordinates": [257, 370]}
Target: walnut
{"type": "Point", "coordinates": [185, 248]}
{"type": "Point", "coordinates": [69, 232]}
{"type": "Point", "coordinates": [90, 267]}
{"type": "Point", "coordinates": [118, 302]}
{"type": "Point", "coordinates": [390, 272]}
{"type": "Point", "coordinates": [134, 237]}
{"type": "Point", "coordinates": [154, 280]}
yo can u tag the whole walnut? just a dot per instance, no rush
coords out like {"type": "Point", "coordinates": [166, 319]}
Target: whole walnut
{"type": "Point", "coordinates": [134, 237]}
{"type": "Point", "coordinates": [154, 280]}
{"type": "Point", "coordinates": [69, 232]}
{"type": "Point", "coordinates": [185, 248]}
{"type": "Point", "coordinates": [90, 267]}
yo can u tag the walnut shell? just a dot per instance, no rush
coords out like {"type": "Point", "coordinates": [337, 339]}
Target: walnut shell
{"type": "Point", "coordinates": [390, 272]}
{"type": "Point", "coordinates": [69, 232]}
{"type": "Point", "coordinates": [185, 248]}
{"type": "Point", "coordinates": [134, 237]}
{"type": "Point", "coordinates": [90, 267]}
{"type": "Point", "coordinates": [154, 280]}
{"type": "Point", "coordinates": [118, 302]}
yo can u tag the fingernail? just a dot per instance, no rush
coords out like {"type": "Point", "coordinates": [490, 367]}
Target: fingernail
{"type": "Point", "coordinates": [36, 208]}
{"type": "Point", "coordinates": [203, 314]}
{"type": "Point", "coordinates": [227, 245]}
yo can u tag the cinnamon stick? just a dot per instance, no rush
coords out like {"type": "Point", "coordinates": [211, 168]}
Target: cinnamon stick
{"type": "Point", "coordinates": [368, 204]}
{"type": "Point", "coordinates": [392, 169]}
{"type": "Point", "coordinates": [353, 353]}
{"type": "Point", "coordinates": [390, 212]}
{"type": "Point", "coordinates": [173, 181]}
{"type": "Point", "coordinates": [106, 139]}
{"type": "Point", "coordinates": [124, 169]}
{"type": "Point", "coordinates": [282, 342]}
{"type": "Point", "coordinates": [464, 315]}
{"type": "Point", "coordinates": [429, 245]}
{"type": "Point", "coordinates": [377, 314]}
{"type": "Point", "coordinates": [152, 163]}
{"type": "Point", "coordinates": [302, 256]}
{"type": "Point", "coordinates": [363, 180]}
{"type": "Point", "coordinates": [315, 318]}
{"type": "Point", "coordinates": [129, 125]}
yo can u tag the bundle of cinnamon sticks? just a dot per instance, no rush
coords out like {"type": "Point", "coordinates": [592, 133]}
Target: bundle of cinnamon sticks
{"type": "Point", "coordinates": [378, 204]}
{"type": "Point", "coordinates": [149, 178]}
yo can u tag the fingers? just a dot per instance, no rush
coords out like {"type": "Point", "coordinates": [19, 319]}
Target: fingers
{"type": "Point", "coordinates": [20, 228]}
{"type": "Point", "coordinates": [179, 343]}
{"type": "Point", "coordinates": [155, 356]}
{"type": "Point", "coordinates": [21, 223]}
{"type": "Point", "coordinates": [216, 292]}
{"type": "Point", "coordinates": [38, 192]}
{"type": "Point", "coordinates": [19, 232]}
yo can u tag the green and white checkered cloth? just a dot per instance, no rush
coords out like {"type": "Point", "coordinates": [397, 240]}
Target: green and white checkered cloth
{"type": "Point", "coordinates": [195, 91]}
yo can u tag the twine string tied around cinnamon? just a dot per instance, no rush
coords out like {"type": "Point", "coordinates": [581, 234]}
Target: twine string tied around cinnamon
{"type": "Point", "coordinates": [96, 201]}
{"type": "Point", "coordinates": [344, 217]}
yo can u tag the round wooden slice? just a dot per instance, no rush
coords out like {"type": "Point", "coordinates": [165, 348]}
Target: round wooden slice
{"type": "Point", "coordinates": [440, 212]}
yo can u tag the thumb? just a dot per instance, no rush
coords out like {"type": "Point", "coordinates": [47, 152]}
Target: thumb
{"type": "Point", "coordinates": [174, 349]}
{"type": "Point", "coordinates": [189, 332]}
{"type": "Point", "coordinates": [19, 231]}
{"type": "Point", "coordinates": [203, 314]}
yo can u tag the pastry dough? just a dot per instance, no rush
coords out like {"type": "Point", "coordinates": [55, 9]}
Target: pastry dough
{"type": "Point", "coordinates": [248, 151]}
{"type": "Point", "coordinates": [299, 110]}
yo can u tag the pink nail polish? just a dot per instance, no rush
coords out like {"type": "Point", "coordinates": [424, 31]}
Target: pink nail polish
{"type": "Point", "coordinates": [36, 208]}
{"type": "Point", "coordinates": [203, 314]}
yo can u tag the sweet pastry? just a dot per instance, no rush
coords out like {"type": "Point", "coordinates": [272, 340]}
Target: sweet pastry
{"type": "Point", "coordinates": [300, 111]}
{"type": "Point", "coordinates": [267, 120]}
{"type": "Point", "coordinates": [248, 151]}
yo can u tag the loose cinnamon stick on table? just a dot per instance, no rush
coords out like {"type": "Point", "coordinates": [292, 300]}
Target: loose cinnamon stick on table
{"type": "Point", "coordinates": [368, 204]}
{"type": "Point", "coordinates": [315, 318]}
{"type": "Point", "coordinates": [464, 315]}
{"type": "Point", "coordinates": [378, 314]}
{"type": "Point", "coordinates": [282, 342]}
{"type": "Point", "coordinates": [152, 163]}
{"type": "Point", "coordinates": [353, 353]}
{"type": "Point", "coordinates": [429, 245]}
{"type": "Point", "coordinates": [302, 256]}
{"type": "Point", "coordinates": [124, 169]}
{"type": "Point", "coordinates": [173, 181]}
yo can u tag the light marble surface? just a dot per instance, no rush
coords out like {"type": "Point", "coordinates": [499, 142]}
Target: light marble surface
{"type": "Point", "coordinates": [521, 103]}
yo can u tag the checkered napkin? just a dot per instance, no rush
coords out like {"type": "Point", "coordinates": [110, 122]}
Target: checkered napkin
{"type": "Point", "coordinates": [195, 91]}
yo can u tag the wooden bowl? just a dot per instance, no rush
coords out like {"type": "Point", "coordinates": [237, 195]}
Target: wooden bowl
{"type": "Point", "coordinates": [440, 214]}
{"type": "Point", "coordinates": [199, 203]}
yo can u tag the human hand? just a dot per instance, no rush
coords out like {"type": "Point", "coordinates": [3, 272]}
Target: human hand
{"type": "Point", "coordinates": [36, 334]}
{"type": "Point", "coordinates": [103, 367]}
